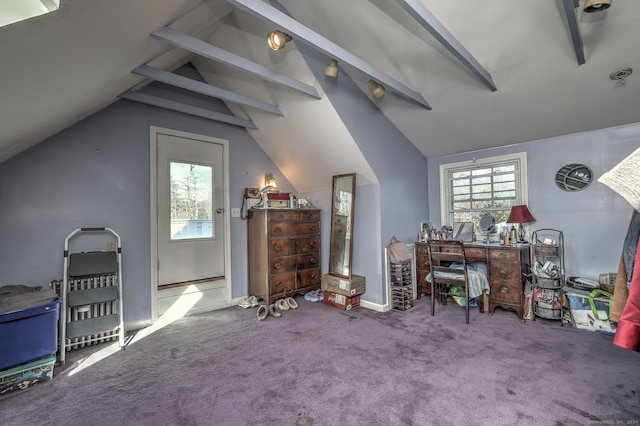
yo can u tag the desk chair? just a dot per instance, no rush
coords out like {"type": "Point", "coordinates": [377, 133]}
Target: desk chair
{"type": "Point", "coordinates": [443, 254]}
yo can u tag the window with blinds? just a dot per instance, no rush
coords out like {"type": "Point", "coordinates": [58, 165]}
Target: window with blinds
{"type": "Point", "coordinates": [491, 185]}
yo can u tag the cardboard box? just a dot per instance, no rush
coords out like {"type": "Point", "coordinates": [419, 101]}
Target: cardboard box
{"type": "Point", "coordinates": [347, 287]}
{"type": "Point", "coordinates": [341, 301]}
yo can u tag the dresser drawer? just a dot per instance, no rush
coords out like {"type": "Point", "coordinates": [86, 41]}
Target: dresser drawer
{"type": "Point", "coordinates": [279, 265]}
{"type": "Point", "coordinates": [286, 247]}
{"type": "Point", "coordinates": [281, 229]}
{"type": "Point", "coordinates": [505, 291]}
{"type": "Point", "coordinates": [280, 215]}
{"type": "Point", "coordinates": [504, 255]}
{"type": "Point", "coordinates": [293, 281]}
{"type": "Point", "coordinates": [313, 215]}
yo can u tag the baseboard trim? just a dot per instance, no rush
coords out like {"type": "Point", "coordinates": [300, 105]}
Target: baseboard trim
{"type": "Point", "coordinates": [374, 306]}
{"type": "Point", "coordinates": [137, 325]}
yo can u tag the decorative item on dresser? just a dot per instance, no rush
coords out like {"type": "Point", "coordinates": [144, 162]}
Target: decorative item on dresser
{"type": "Point", "coordinates": [284, 252]}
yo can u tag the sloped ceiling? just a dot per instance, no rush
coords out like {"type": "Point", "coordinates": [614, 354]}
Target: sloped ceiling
{"type": "Point", "coordinates": [60, 68]}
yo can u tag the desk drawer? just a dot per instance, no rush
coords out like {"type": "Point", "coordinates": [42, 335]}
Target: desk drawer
{"type": "Point", "coordinates": [422, 262]}
{"type": "Point", "coordinates": [505, 291]}
{"type": "Point", "coordinates": [422, 248]}
{"type": "Point", "coordinates": [505, 271]}
{"type": "Point", "coordinates": [504, 255]}
{"type": "Point", "coordinates": [475, 253]}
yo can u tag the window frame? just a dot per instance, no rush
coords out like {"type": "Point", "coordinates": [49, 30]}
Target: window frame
{"type": "Point", "coordinates": [519, 159]}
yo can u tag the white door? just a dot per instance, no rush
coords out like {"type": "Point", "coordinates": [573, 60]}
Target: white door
{"type": "Point", "coordinates": [191, 246]}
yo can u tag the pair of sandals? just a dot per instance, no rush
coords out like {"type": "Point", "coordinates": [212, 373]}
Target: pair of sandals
{"type": "Point", "coordinates": [276, 308]}
{"type": "Point", "coordinates": [249, 302]}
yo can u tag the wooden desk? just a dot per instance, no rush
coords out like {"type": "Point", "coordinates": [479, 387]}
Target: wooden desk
{"type": "Point", "coordinates": [505, 266]}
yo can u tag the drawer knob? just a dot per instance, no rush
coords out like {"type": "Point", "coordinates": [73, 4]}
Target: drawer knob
{"type": "Point", "coordinates": [502, 255]}
{"type": "Point", "coordinates": [278, 283]}
{"type": "Point", "coordinates": [339, 232]}
{"type": "Point", "coordinates": [313, 244]}
{"type": "Point", "coordinates": [278, 248]}
{"type": "Point", "coordinates": [314, 277]}
{"type": "Point", "coordinates": [503, 271]}
{"type": "Point", "coordinates": [309, 215]}
{"type": "Point", "coordinates": [278, 229]}
{"type": "Point", "coordinates": [277, 265]}
{"type": "Point", "coordinates": [280, 216]}
{"type": "Point", "coordinates": [313, 260]}
{"type": "Point", "coordinates": [312, 227]}
{"type": "Point", "coordinates": [504, 290]}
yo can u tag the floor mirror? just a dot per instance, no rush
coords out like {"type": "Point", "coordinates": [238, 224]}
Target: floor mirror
{"type": "Point", "coordinates": [341, 240]}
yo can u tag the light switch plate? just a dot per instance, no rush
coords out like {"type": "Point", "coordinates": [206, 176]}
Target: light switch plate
{"type": "Point", "coordinates": [235, 212]}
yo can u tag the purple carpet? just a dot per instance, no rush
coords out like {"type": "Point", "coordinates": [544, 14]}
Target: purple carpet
{"type": "Point", "coordinates": [318, 365]}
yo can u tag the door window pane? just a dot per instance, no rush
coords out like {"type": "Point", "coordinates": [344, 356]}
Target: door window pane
{"type": "Point", "coordinates": [191, 205]}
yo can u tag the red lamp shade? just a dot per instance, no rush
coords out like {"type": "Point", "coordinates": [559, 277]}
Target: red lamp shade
{"type": "Point", "coordinates": [520, 214]}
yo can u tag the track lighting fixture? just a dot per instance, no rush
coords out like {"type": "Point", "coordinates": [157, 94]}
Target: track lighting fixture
{"type": "Point", "coordinates": [591, 6]}
{"type": "Point", "coordinates": [277, 39]}
{"type": "Point", "coordinates": [331, 70]}
{"type": "Point", "coordinates": [376, 88]}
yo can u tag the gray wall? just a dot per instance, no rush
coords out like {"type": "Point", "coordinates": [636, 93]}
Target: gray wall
{"type": "Point", "coordinates": [595, 220]}
{"type": "Point", "coordinates": [396, 205]}
{"type": "Point", "coordinates": [63, 183]}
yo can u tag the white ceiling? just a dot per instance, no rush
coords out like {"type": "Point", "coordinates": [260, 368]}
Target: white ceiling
{"type": "Point", "coordinates": [59, 68]}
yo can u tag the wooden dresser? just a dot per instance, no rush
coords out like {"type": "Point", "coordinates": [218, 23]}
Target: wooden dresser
{"type": "Point", "coordinates": [284, 252]}
{"type": "Point", "coordinates": [505, 267]}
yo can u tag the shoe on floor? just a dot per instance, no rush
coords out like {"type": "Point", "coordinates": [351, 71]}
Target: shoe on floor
{"type": "Point", "coordinates": [263, 311]}
{"type": "Point", "coordinates": [282, 305]}
{"type": "Point", "coordinates": [292, 303]}
{"type": "Point", "coordinates": [274, 311]}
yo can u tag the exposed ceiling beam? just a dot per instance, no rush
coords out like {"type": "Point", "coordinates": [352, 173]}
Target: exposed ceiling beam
{"type": "Point", "coordinates": [203, 88]}
{"type": "Point", "coordinates": [292, 27]}
{"type": "Point", "coordinates": [576, 38]}
{"type": "Point", "coordinates": [214, 53]}
{"type": "Point", "coordinates": [159, 102]}
{"type": "Point", "coordinates": [421, 14]}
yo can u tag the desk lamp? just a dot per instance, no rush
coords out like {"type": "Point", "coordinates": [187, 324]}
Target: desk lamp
{"type": "Point", "coordinates": [520, 215]}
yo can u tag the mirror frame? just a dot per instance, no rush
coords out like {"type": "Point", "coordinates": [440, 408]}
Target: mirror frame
{"type": "Point", "coordinates": [333, 248]}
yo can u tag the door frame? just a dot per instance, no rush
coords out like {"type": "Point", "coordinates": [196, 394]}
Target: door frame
{"type": "Point", "coordinates": [153, 163]}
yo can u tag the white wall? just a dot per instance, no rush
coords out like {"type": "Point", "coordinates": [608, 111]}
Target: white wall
{"type": "Point", "coordinates": [595, 220]}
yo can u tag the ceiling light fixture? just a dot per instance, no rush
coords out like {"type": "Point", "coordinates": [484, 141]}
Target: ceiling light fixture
{"type": "Point", "coordinates": [331, 70]}
{"type": "Point", "coordinates": [376, 88]}
{"type": "Point", "coordinates": [620, 76]}
{"type": "Point", "coordinates": [277, 39]}
{"type": "Point", "coordinates": [591, 6]}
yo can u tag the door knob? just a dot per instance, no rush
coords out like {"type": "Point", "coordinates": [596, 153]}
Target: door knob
{"type": "Point", "coordinates": [219, 210]}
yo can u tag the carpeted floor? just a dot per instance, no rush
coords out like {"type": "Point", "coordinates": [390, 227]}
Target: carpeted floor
{"type": "Point", "coordinates": [318, 365]}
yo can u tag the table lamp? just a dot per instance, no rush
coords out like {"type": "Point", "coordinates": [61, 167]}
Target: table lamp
{"type": "Point", "coordinates": [520, 215]}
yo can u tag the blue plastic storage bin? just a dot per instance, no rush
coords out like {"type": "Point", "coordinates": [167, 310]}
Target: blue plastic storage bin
{"type": "Point", "coordinates": [28, 334]}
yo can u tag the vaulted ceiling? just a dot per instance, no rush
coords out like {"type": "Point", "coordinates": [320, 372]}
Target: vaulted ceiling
{"type": "Point", "coordinates": [459, 76]}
